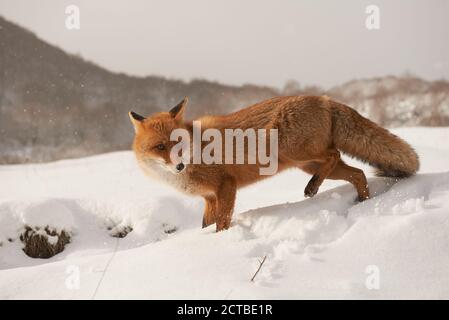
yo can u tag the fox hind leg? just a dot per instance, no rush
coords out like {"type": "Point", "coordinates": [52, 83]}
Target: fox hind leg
{"type": "Point", "coordinates": [342, 171]}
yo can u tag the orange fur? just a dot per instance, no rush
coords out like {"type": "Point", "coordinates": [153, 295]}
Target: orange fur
{"type": "Point", "coordinates": [311, 133]}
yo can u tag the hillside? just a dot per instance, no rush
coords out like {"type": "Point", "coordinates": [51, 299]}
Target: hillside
{"type": "Point", "coordinates": [54, 105]}
{"type": "Point", "coordinates": [398, 101]}
{"type": "Point", "coordinates": [324, 247]}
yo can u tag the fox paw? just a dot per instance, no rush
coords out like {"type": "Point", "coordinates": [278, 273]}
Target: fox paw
{"type": "Point", "coordinates": [312, 187]}
{"type": "Point", "coordinates": [361, 199]}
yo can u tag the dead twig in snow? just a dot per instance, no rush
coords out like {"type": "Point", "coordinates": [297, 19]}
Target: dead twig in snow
{"type": "Point", "coordinates": [258, 269]}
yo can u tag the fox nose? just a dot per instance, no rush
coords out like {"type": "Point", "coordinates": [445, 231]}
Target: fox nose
{"type": "Point", "coordinates": [180, 166]}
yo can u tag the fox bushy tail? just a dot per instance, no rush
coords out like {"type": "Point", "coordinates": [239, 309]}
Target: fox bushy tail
{"type": "Point", "coordinates": [368, 142]}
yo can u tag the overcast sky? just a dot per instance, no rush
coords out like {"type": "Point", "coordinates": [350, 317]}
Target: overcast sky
{"type": "Point", "coordinates": [252, 41]}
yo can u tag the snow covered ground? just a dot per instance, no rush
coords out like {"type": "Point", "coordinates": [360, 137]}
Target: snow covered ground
{"type": "Point", "coordinates": [395, 245]}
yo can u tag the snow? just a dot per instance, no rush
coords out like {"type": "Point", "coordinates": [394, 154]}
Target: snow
{"type": "Point", "coordinates": [394, 245]}
{"type": "Point", "coordinates": [47, 212]}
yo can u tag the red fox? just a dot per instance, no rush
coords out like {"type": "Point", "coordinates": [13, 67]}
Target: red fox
{"type": "Point", "coordinates": [312, 131]}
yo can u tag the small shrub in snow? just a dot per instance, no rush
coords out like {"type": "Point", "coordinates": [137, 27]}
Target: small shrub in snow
{"type": "Point", "coordinates": [168, 229]}
{"type": "Point", "coordinates": [43, 242]}
{"type": "Point", "coordinates": [120, 232]}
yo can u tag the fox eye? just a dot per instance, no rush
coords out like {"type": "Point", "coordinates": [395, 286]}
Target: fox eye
{"type": "Point", "coordinates": [160, 146]}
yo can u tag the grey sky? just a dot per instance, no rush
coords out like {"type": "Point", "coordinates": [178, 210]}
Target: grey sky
{"type": "Point", "coordinates": [252, 41]}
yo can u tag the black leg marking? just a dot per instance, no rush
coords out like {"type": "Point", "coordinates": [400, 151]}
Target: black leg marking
{"type": "Point", "coordinates": [311, 188]}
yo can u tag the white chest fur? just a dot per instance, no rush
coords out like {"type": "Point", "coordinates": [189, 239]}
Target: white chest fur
{"type": "Point", "coordinates": [160, 171]}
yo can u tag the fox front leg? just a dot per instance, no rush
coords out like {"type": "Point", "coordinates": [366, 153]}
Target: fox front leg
{"type": "Point", "coordinates": [225, 203]}
{"type": "Point", "coordinates": [210, 210]}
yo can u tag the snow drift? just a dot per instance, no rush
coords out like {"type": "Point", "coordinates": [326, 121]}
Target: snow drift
{"type": "Point", "coordinates": [394, 245]}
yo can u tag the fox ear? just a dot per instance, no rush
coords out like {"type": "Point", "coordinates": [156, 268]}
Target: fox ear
{"type": "Point", "coordinates": [136, 120]}
{"type": "Point", "coordinates": [177, 111]}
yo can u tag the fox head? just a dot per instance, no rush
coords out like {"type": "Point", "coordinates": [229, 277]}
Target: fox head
{"type": "Point", "coordinates": [152, 144]}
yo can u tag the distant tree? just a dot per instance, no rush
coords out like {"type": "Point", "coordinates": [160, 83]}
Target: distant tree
{"type": "Point", "coordinates": [291, 88]}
